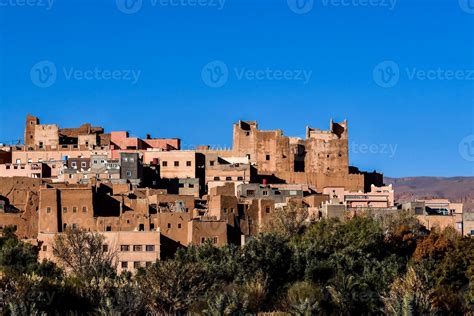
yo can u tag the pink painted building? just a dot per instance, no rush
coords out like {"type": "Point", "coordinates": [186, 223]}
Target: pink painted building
{"type": "Point", "coordinates": [378, 197]}
{"type": "Point", "coordinates": [29, 170]}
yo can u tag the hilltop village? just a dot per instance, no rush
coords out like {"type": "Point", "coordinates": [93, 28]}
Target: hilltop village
{"type": "Point", "coordinates": [149, 198]}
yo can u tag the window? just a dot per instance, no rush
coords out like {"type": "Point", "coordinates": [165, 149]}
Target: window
{"type": "Point", "coordinates": [132, 159]}
{"type": "Point", "coordinates": [84, 209]}
{"type": "Point", "coordinates": [129, 173]}
{"type": "Point", "coordinates": [472, 232]}
{"type": "Point", "coordinates": [64, 209]}
{"type": "Point", "coordinates": [176, 163]}
{"type": "Point", "coordinates": [164, 163]}
{"type": "Point", "coordinates": [83, 164]}
{"type": "Point", "coordinates": [148, 263]}
{"type": "Point", "coordinates": [267, 210]}
{"type": "Point", "coordinates": [136, 264]}
{"type": "Point", "coordinates": [232, 210]}
{"type": "Point", "coordinates": [228, 178]}
{"type": "Point", "coordinates": [267, 157]}
{"type": "Point", "coordinates": [225, 210]}
{"type": "Point", "coordinates": [8, 167]}
{"type": "Point", "coordinates": [45, 248]}
{"type": "Point", "coordinates": [124, 248]}
{"type": "Point", "coordinates": [214, 240]}
{"type": "Point", "coordinates": [247, 133]}
{"type": "Point", "coordinates": [74, 226]}
{"type": "Point", "coordinates": [30, 160]}
{"type": "Point", "coordinates": [212, 162]}
{"type": "Point", "coordinates": [240, 178]}
{"type": "Point", "coordinates": [18, 161]}
{"type": "Point", "coordinates": [265, 193]}
{"type": "Point", "coordinates": [179, 225]}
{"type": "Point", "coordinates": [152, 226]}
{"type": "Point", "coordinates": [188, 163]}
{"type": "Point", "coordinates": [125, 159]}
{"type": "Point", "coordinates": [141, 227]}
{"type": "Point", "coordinates": [124, 264]}
{"type": "Point", "coordinates": [169, 225]}
{"type": "Point", "coordinates": [137, 248]}
{"type": "Point", "coordinates": [150, 247]}
{"type": "Point", "coordinates": [48, 210]}
{"type": "Point", "coordinates": [191, 185]}
{"type": "Point", "coordinates": [108, 229]}
{"type": "Point", "coordinates": [74, 209]}
{"type": "Point", "coordinates": [250, 192]}
{"type": "Point", "coordinates": [105, 248]}
{"type": "Point", "coordinates": [73, 164]}
{"type": "Point", "coordinates": [216, 178]}
{"type": "Point", "coordinates": [95, 162]}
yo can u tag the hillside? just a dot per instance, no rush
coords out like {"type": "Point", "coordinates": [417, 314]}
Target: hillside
{"type": "Point", "coordinates": [457, 189]}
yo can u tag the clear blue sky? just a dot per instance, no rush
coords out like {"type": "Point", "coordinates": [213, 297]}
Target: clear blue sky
{"type": "Point", "coordinates": [415, 126]}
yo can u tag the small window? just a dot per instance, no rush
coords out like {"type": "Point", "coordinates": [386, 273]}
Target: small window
{"type": "Point", "coordinates": [148, 263]}
{"type": "Point", "coordinates": [124, 264]}
{"type": "Point", "coordinates": [240, 178]}
{"type": "Point", "coordinates": [136, 264]}
{"type": "Point", "coordinates": [84, 209]}
{"type": "Point", "coordinates": [108, 229]}
{"type": "Point", "coordinates": [125, 159]}
{"type": "Point", "coordinates": [137, 248]}
{"type": "Point", "coordinates": [150, 247]}
{"type": "Point", "coordinates": [191, 185]}
{"type": "Point", "coordinates": [232, 210]}
{"type": "Point", "coordinates": [132, 159]}
{"type": "Point", "coordinates": [74, 226]}
{"type": "Point", "coordinates": [169, 225]}
{"type": "Point", "coordinates": [267, 157]}
{"type": "Point", "coordinates": [212, 162]}
{"type": "Point", "coordinates": [228, 178]}
{"type": "Point", "coordinates": [250, 192]}
{"type": "Point", "coordinates": [83, 164]}
{"type": "Point", "coordinates": [48, 210]}
{"type": "Point", "coordinates": [74, 209]}
{"type": "Point", "coordinates": [124, 248]}
{"type": "Point", "coordinates": [95, 162]}
{"type": "Point", "coordinates": [73, 164]}
{"type": "Point", "coordinates": [216, 178]}
{"type": "Point", "coordinates": [141, 227]}
{"type": "Point", "coordinates": [105, 248]}
{"type": "Point", "coordinates": [152, 226]}
{"type": "Point", "coordinates": [247, 133]}
{"type": "Point", "coordinates": [129, 173]}
{"type": "Point", "coordinates": [267, 210]}
{"type": "Point", "coordinates": [265, 193]}
{"type": "Point", "coordinates": [64, 209]}
{"type": "Point", "coordinates": [45, 248]}
{"type": "Point", "coordinates": [164, 163]}
{"type": "Point", "coordinates": [225, 210]}
{"type": "Point", "coordinates": [188, 164]}
{"type": "Point", "coordinates": [176, 163]}
{"type": "Point", "coordinates": [179, 225]}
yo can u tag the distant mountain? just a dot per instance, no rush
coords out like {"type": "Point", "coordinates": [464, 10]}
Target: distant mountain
{"type": "Point", "coordinates": [457, 189]}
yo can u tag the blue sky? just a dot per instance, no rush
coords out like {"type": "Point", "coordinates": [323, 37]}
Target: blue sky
{"type": "Point", "coordinates": [147, 71]}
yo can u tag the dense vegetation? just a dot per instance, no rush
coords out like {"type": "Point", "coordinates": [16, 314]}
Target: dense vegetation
{"type": "Point", "coordinates": [360, 266]}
